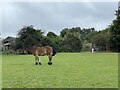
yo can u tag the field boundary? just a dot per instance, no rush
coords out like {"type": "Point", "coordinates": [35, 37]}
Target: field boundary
{"type": "Point", "coordinates": [60, 89]}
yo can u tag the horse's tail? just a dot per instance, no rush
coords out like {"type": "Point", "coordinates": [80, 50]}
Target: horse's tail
{"type": "Point", "coordinates": [53, 51]}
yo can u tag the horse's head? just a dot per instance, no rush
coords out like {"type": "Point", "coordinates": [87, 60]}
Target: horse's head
{"type": "Point", "coordinates": [27, 50]}
{"type": "Point", "coordinates": [53, 51]}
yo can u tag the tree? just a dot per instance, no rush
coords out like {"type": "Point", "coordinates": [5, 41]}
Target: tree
{"type": "Point", "coordinates": [71, 43]}
{"type": "Point", "coordinates": [73, 30]}
{"type": "Point", "coordinates": [100, 40]}
{"type": "Point", "coordinates": [115, 33]}
{"type": "Point", "coordinates": [28, 36]}
{"type": "Point", "coordinates": [51, 35]}
{"type": "Point", "coordinates": [71, 40]}
{"type": "Point", "coordinates": [55, 41]}
{"type": "Point", "coordinates": [86, 33]}
{"type": "Point", "coordinates": [87, 46]}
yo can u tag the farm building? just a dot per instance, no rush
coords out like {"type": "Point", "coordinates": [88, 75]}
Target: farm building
{"type": "Point", "coordinates": [8, 43]}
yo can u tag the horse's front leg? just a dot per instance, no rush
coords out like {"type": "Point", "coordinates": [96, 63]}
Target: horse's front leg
{"type": "Point", "coordinates": [50, 59]}
{"type": "Point", "coordinates": [37, 61]}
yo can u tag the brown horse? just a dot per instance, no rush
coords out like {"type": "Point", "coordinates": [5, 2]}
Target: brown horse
{"type": "Point", "coordinates": [41, 51]}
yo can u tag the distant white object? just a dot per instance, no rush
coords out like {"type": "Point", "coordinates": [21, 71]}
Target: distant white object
{"type": "Point", "coordinates": [92, 50]}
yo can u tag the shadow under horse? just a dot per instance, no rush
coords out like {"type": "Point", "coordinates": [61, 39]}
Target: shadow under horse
{"type": "Point", "coordinates": [41, 51]}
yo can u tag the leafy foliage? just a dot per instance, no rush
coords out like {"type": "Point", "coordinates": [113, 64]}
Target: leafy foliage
{"type": "Point", "coordinates": [72, 39]}
{"type": "Point", "coordinates": [28, 36]}
{"type": "Point", "coordinates": [115, 34]}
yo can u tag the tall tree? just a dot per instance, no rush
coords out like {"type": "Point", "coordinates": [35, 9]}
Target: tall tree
{"type": "Point", "coordinates": [71, 40]}
{"type": "Point", "coordinates": [85, 33]}
{"type": "Point", "coordinates": [100, 40]}
{"type": "Point", "coordinates": [73, 30]}
{"type": "Point", "coordinates": [51, 35]}
{"type": "Point", "coordinates": [29, 36]}
{"type": "Point", "coordinates": [115, 33]}
{"type": "Point", "coordinates": [55, 40]}
{"type": "Point", "coordinates": [73, 43]}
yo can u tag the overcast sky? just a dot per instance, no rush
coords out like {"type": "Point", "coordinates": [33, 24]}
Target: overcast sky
{"type": "Point", "coordinates": [54, 16]}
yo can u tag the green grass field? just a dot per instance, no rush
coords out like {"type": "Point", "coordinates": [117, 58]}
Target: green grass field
{"type": "Point", "coordinates": [69, 70]}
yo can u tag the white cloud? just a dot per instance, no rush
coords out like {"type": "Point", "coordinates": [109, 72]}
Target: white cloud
{"type": "Point", "coordinates": [1, 9]}
{"type": "Point", "coordinates": [56, 15]}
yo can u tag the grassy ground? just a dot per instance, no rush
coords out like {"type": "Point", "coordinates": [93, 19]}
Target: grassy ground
{"type": "Point", "coordinates": [69, 70]}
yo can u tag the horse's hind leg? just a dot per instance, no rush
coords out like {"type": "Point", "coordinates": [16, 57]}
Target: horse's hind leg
{"type": "Point", "coordinates": [50, 59]}
{"type": "Point", "coordinates": [36, 59]}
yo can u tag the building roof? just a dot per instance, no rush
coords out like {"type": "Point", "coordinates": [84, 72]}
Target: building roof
{"type": "Point", "coordinates": [6, 44]}
{"type": "Point", "coordinates": [9, 39]}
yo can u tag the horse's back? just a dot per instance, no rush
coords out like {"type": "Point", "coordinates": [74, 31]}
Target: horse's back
{"type": "Point", "coordinates": [41, 51]}
{"type": "Point", "coordinates": [48, 47]}
{"type": "Point", "coordinates": [48, 50]}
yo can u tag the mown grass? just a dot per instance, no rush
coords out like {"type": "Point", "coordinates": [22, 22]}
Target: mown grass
{"type": "Point", "coordinates": [69, 70]}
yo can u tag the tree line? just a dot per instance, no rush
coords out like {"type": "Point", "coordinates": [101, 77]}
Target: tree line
{"type": "Point", "coordinates": [72, 39]}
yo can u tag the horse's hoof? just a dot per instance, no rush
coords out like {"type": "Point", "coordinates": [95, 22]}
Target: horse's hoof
{"type": "Point", "coordinates": [39, 63]}
{"type": "Point", "coordinates": [50, 63]}
{"type": "Point", "coordinates": [36, 63]}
